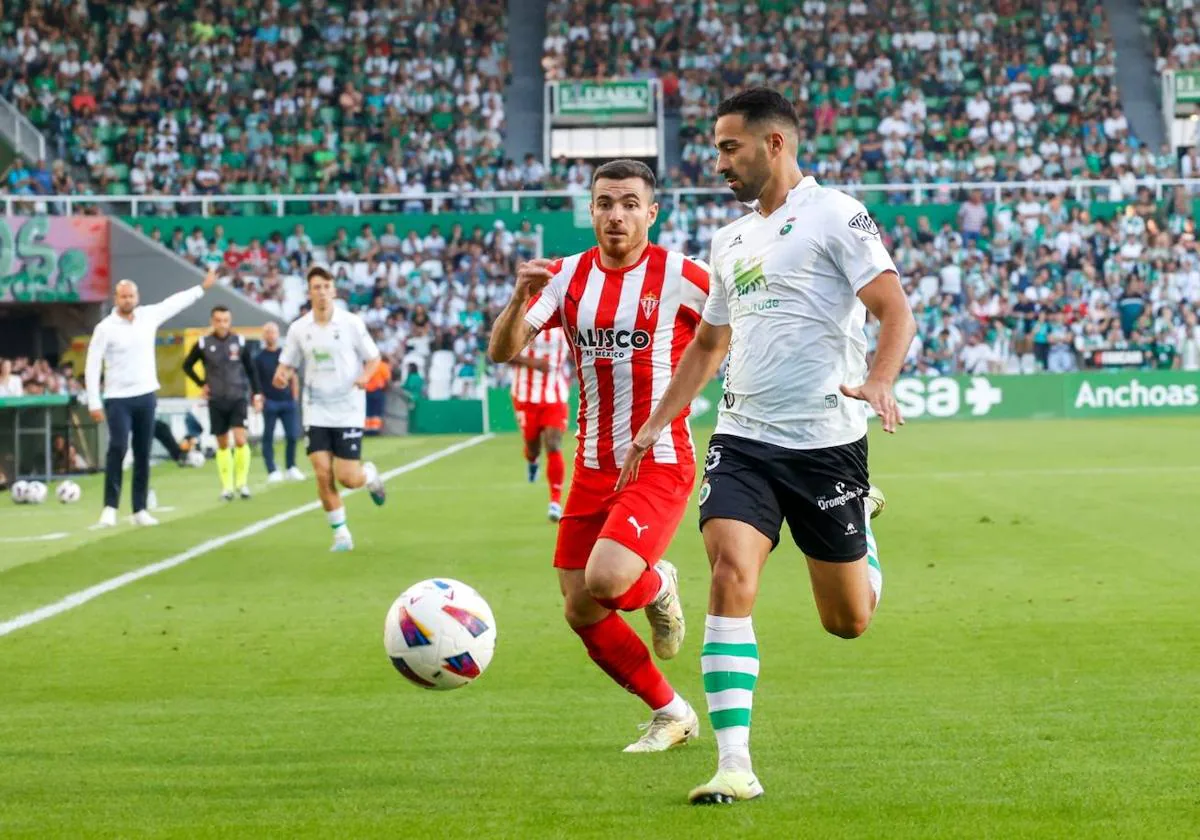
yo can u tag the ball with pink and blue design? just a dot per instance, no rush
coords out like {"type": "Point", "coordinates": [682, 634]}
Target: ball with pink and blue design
{"type": "Point", "coordinates": [440, 634]}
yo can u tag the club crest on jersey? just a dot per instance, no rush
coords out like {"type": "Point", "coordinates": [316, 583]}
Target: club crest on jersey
{"type": "Point", "coordinates": [649, 304]}
{"type": "Point", "coordinates": [864, 223]}
{"type": "Point", "coordinates": [787, 226]}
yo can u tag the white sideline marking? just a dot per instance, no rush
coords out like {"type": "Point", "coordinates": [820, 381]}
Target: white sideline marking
{"type": "Point", "coordinates": [81, 597]}
{"type": "Point", "coordinates": [40, 538]}
{"type": "Point", "coordinates": [1053, 471]}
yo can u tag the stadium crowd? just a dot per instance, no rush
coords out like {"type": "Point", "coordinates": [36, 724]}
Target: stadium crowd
{"type": "Point", "coordinates": [889, 92]}
{"type": "Point", "coordinates": [24, 377]}
{"type": "Point", "coordinates": [213, 96]}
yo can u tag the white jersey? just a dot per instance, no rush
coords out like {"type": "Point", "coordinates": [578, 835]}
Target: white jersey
{"type": "Point", "coordinates": [332, 356]}
{"type": "Point", "coordinates": [788, 285]}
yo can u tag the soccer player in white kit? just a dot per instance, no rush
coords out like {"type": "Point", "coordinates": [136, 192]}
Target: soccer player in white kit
{"type": "Point", "coordinates": [338, 359]}
{"type": "Point", "coordinates": [791, 285]}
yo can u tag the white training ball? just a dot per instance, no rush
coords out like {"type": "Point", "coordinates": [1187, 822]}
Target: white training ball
{"type": "Point", "coordinates": [68, 492]}
{"type": "Point", "coordinates": [36, 494]}
{"type": "Point", "coordinates": [195, 458]}
{"type": "Point", "coordinates": [20, 492]}
{"type": "Point", "coordinates": [440, 634]}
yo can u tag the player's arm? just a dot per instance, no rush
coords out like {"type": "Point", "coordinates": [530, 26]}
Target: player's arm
{"type": "Point", "coordinates": [697, 367]}
{"type": "Point", "coordinates": [518, 324]}
{"type": "Point", "coordinates": [92, 369]}
{"type": "Point", "coordinates": [855, 247]}
{"type": "Point", "coordinates": [702, 292]}
{"type": "Point", "coordinates": [289, 360]}
{"type": "Point", "coordinates": [194, 356]}
{"type": "Point", "coordinates": [251, 377]}
{"type": "Point", "coordinates": [368, 351]}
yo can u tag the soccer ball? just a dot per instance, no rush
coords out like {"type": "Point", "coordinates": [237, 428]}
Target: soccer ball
{"type": "Point", "coordinates": [195, 458]}
{"type": "Point", "coordinates": [20, 492]}
{"type": "Point", "coordinates": [35, 494]}
{"type": "Point", "coordinates": [440, 634]}
{"type": "Point", "coordinates": [68, 492]}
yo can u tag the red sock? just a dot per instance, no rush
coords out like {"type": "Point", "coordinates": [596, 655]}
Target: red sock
{"type": "Point", "coordinates": [555, 471]}
{"type": "Point", "coordinates": [622, 655]}
{"type": "Point", "coordinates": [640, 594]}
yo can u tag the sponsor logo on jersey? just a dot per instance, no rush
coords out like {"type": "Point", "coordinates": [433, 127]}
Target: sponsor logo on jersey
{"type": "Point", "coordinates": [840, 497]}
{"type": "Point", "coordinates": [748, 276]}
{"type": "Point", "coordinates": [608, 343]}
{"type": "Point", "coordinates": [864, 223]}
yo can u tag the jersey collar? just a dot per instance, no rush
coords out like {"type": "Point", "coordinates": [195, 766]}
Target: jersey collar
{"type": "Point", "coordinates": [806, 183]}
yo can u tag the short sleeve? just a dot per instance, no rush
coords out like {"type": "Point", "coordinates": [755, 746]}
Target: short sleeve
{"type": "Point", "coordinates": [695, 287]}
{"type": "Point", "coordinates": [716, 305]}
{"type": "Point", "coordinates": [364, 344]}
{"type": "Point", "coordinates": [853, 243]}
{"type": "Point", "coordinates": [291, 354]}
{"type": "Point", "coordinates": [544, 309]}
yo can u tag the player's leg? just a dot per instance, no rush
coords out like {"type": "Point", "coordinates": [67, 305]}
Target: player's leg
{"type": "Point", "coordinates": [556, 470]}
{"type": "Point", "coordinates": [530, 439]}
{"type": "Point", "coordinates": [320, 455]}
{"type": "Point", "coordinates": [218, 424]}
{"type": "Point", "coordinates": [847, 592]}
{"type": "Point", "coordinates": [142, 434]}
{"type": "Point", "coordinates": [291, 431]}
{"type": "Point", "coordinates": [350, 471]}
{"type": "Point", "coordinates": [241, 450]}
{"type": "Point", "coordinates": [740, 520]}
{"type": "Point", "coordinates": [271, 414]}
{"type": "Point", "coordinates": [117, 416]}
{"type": "Point", "coordinates": [162, 433]}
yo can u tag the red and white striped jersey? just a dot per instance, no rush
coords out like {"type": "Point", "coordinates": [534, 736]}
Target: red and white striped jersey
{"type": "Point", "coordinates": [628, 329]}
{"type": "Point", "coordinates": [533, 386]}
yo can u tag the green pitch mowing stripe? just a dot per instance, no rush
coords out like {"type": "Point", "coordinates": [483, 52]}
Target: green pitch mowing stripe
{"type": "Point", "coordinates": [80, 598]}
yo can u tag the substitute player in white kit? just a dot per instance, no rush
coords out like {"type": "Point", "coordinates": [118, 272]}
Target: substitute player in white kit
{"type": "Point", "coordinates": [791, 285]}
{"type": "Point", "coordinates": [338, 358]}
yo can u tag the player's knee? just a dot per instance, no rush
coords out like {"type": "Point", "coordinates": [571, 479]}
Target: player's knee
{"type": "Point", "coordinates": [606, 583]}
{"type": "Point", "coordinates": [849, 624]}
{"type": "Point", "coordinates": [730, 576]}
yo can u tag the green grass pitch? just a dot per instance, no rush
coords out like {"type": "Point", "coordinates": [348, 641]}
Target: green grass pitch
{"type": "Point", "coordinates": [1033, 670]}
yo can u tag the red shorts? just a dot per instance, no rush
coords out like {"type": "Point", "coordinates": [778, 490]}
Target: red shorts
{"type": "Point", "coordinates": [642, 517]}
{"type": "Point", "coordinates": [532, 418]}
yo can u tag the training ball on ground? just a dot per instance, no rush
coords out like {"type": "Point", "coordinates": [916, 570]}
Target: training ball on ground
{"type": "Point", "coordinates": [195, 458]}
{"type": "Point", "coordinates": [36, 493]}
{"type": "Point", "coordinates": [68, 492]}
{"type": "Point", "coordinates": [20, 492]}
{"type": "Point", "coordinates": [440, 634]}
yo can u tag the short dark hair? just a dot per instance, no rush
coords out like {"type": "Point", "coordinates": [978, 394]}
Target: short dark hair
{"type": "Point", "coordinates": [220, 307]}
{"type": "Point", "coordinates": [619, 170]}
{"type": "Point", "coordinates": [319, 272]}
{"type": "Point", "coordinates": [758, 104]}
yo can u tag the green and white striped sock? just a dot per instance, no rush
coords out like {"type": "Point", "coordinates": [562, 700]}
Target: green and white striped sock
{"type": "Point", "coordinates": [874, 570]}
{"type": "Point", "coordinates": [729, 662]}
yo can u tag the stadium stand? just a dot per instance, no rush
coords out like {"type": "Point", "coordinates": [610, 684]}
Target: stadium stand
{"type": "Point", "coordinates": [1172, 29]}
{"type": "Point", "coordinates": [889, 93]}
{"type": "Point", "coordinates": [196, 98]}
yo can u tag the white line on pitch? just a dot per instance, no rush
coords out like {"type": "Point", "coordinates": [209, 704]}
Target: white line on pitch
{"type": "Point", "coordinates": [81, 597]}
{"type": "Point", "coordinates": [1042, 472]}
{"type": "Point", "coordinates": [58, 535]}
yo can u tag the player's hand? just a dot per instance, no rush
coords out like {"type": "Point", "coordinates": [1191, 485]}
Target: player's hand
{"type": "Point", "coordinates": [258, 402]}
{"type": "Point", "coordinates": [97, 414]}
{"type": "Point", "coordinates": [642, 441]}
{"type": "Point", "coordinates": [362, 382]}
{"type": "Point", "coordinates": [542, 365]}
{"type": "Point", "coordinates": [210, 279]}
{"type": "Point", "coordinates": [532, 277]}
{"type": "Point", "coordinates": [882, 400]}
{"type": "Point", "coordinates": [280, 379]}
{"type": "Point", "coordinates": [206, 391]}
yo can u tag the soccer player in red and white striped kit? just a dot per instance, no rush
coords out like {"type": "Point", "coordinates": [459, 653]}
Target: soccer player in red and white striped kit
{"type": "Point", "coordinates": [539, 395]}
{"type": "Point", "coordinates": [629, 308]}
